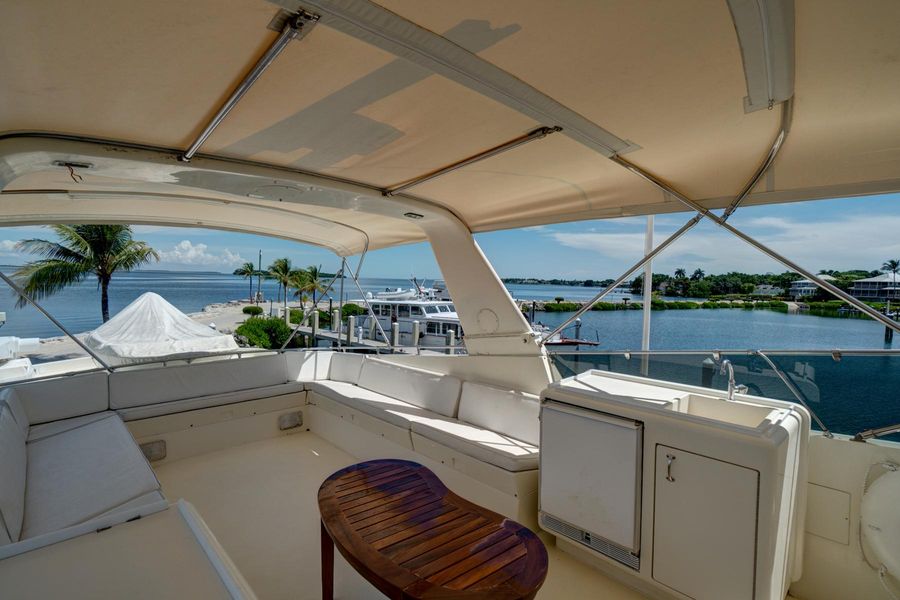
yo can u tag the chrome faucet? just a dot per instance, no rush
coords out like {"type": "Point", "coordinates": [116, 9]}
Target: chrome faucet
{"type": "Point", "coordinates": [727, 367]}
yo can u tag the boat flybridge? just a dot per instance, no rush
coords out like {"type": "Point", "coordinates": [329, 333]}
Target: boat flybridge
{"type": "Point", "coordinates": [354, 125]}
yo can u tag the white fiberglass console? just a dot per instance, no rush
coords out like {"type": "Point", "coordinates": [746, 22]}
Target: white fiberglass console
{"type": "Point", "coordinates": [675, 489]}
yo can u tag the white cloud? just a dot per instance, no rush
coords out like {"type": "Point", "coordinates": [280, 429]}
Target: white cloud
{"type": "Point", "coordinates": [7, 246]}
{"type": "Point", "coordinates": [863, 242]}
{"type": "Point", "coordinates": [186, 252]}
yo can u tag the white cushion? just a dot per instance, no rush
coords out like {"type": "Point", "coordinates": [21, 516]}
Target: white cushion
{"type": "Point", "coordinates": [178, 406]}
{"type": "Point", "coordinates": [345, 366]}
{"type": "Point", "coordinates": [81, 473]}
{"type": "Point", "coordinates": [13, 467]}
{"type": "Point", "coordinates": [485, 445]}
{"type": "Point", "coordinates": [394, 411]}
{"type": "Point", "coordinates": [431, 391]}
{"type": "Point", "coordinates": [56, 427]}
{"type": "Point", "coordinates": [10, 398]}
{"type": "Point", "coordinates": [509, 412]}
{"type": "Point", "coordinates": [140, 386]}
{"type": "Point", "coordinates": [63, 397]}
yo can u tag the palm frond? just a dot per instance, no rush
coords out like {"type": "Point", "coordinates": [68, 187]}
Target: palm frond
{"type": "Point", "coordinates": [45, 277]}
{"type": "Point", "coordinates": [50, 250]}
{"type": "Point", "coordinates": [132, 255]}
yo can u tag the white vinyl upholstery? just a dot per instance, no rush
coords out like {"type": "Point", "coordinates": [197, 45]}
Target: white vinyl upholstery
{"type": "Point", "coordinates": [83, 472]}
{"type": "Point", "coordinates": [508, 412]}
{"type": "Point", "coordinates": [488, 446]}
{"type": "Point", "coordinates": [13, 468]}
{"type": "Point", "coordinates": [38, 432]}
{"type": "Point", "coordinates": [177, 406]}
{"type": "Point", "coordinates": [345, 367]}
{"type": "Point", "coordinates": [394, 411]}
{"type": "Point", "coordinates": [138, 386]}
{"type": "Point", "coordinates": [63, 397]}
{"type": "Point", "coordinates": [432, 391]}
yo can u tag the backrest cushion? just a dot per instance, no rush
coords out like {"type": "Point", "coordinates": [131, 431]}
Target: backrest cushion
{"type": "Point", "coordinates": [346, 366]}
{"type": "Point", "coordinates": [143, 386]}
{"type": "Point", "coordinates": [10, 398]}
{"type": "Point", "coordinates": [63, 397]}
{"type": "Point", "coordinates": [510, 412]}
{"type": "Point", "coordinates": [425, 389]}
{"type": "Point", "coordinates": [12, 475]}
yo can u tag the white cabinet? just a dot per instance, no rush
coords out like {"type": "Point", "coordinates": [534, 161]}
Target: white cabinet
{"type": "Point", "coordinates": [704, 535]}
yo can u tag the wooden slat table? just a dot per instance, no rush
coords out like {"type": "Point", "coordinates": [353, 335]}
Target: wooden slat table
{"type": "Point", "coordinates": [400, 527]}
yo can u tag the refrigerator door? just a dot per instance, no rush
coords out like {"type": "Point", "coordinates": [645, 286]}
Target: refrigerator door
{"type": "Point", "coordinates": [591, 472]}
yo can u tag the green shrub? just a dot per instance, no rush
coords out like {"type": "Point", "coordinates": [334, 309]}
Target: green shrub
{"type": "Point", "coordinates": [264, 332]}
{"type": "Point", "coordinates": [607, 306]}
{"type": "Point", "coordinates": [252, 310]}
{"type": "Point", "coordinates": [561, 306]}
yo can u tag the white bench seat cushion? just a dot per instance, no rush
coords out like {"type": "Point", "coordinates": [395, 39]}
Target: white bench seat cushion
{"type": "Point", "coordinates": [509, 412]}
{"type": "Point", "coordinates": [37, 432]}
{"type": "Point", "coordinates": [391, 410]}
{"type": "Point", "coordinates": [345, 367]}
{"type": "Point", "coordinates": [81, 473]}
{"type": "Point", "coordinates": [488, 446]}
{"type": "Point", "coordinates": [13, 467]}
{"type": "Point", "coordinates": [431, 391]}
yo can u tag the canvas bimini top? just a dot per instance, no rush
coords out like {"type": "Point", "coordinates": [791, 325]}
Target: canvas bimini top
{"type": "Point", "coordinates": [322, 120]}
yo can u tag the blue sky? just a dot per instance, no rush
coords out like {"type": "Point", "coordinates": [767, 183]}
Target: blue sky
{"type": "Point", "coordinates": [839, 234]}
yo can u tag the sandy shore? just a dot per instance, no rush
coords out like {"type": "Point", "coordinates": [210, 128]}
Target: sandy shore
{"type": "Point", "coordinates": [224, 316]}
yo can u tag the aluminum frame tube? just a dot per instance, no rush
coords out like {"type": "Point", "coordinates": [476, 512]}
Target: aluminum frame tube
{"type": "Point", "coordinates": [795, 392]}
{"type": "Point", "coordinates": [539, 133]}
{"type": "Point", "coordinates": [371, 312]}
{"type": "Point", "coordinates": [53, 320]}
{"type": "Point", "coordinates": [293, 27]}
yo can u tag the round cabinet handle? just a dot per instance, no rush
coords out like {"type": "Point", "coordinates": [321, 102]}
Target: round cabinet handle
{"type": "Point", "coordinates": [670, 458]}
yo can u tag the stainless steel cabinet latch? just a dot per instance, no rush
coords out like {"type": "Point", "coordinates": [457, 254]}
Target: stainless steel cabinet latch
{"type": "Point", "coordinates": [669, 460]}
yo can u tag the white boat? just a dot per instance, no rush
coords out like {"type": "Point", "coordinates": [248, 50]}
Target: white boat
{"type": "Point", "coordinates": [420, 322]}
{"type": "Point", "coordinates": [397, 294]}
{"type": "Point", "coordinates": [356, 126]}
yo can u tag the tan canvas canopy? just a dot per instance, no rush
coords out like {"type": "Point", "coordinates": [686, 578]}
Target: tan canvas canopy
{"type": "Point", "coordinates": [373, 96]}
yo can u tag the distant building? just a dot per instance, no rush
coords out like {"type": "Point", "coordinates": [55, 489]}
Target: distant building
{"type": "Point", "coordinates": [765, 289]}
{"type": "Point", "coordinates": [878, 289]}
{"type": "Point", "coordinates": [804, 287]}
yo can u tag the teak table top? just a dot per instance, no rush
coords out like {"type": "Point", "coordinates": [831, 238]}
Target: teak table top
{"type": "Point", "coordinates": [400, 527]}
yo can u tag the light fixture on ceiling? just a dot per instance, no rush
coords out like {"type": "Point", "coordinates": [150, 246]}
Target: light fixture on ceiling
{"type": "Point", "coordinates": [412, 215]}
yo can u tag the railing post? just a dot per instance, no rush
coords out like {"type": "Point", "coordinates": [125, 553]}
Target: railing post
{"type": "Point", "coordinates": [451, 341]}
{"type": "Point", "coordinates": [415, 334]}
{"type": "Point", "coordinates": [395, 334]}
{"type": "Point", "coordinates": [351, 325]}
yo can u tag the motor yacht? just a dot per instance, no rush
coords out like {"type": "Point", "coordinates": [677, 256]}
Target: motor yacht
{"type": "Point", "coordinates": [354, 125]}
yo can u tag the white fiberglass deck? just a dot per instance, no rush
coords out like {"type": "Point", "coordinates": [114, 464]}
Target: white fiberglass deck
{"type": "Point", "coordinates": [260, 501]}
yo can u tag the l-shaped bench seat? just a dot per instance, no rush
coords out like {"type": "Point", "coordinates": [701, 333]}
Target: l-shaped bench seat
{"type": "Point", "coordinates": [496, 426]}
{"type": "Point", "coordinates": [66, 473]}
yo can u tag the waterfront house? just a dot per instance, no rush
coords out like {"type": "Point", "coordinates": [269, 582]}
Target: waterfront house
{"type": "Point", "coordinates": [804, 287]}
{"type": "Point", "coordinates": [879, 288]}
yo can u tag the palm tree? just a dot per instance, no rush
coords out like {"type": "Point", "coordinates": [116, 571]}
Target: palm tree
{"type": "Point", "coordinates": [697, 275]}
{"type": "Point", "coordinates": [313, 281]}
{"type": "Point", "coordinates": [680, 273]}
{"type": "Point", "coordinates": [247, 271]}
{"type": "Point", "coordinates": [82, 250]}
{"type": "Point", "coordinates": [892, 266]}
{"type": "Point", "coordinates": [280, 270]}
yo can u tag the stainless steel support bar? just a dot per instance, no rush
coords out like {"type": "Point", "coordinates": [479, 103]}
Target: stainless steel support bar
{"type": "Point", "coordinates": [796, 393]}
{"type": "Point", "coordinates": [647, 258]}
{"type": "Point", "coordinates": [369, 308]}
{"type": "Point", "coordinates": [875, 433]}
{"type": "Point", "coordinates": [537, 134]}
{"type": "Point", "coordinates": [831, 288]}
{"type": "Point", "coordinates": [31, 301]}
{"type": "Point", "coordinates": [787, 116]}
{"type": "Point", "coordinates": [813, 352]}
{"type": "Point", "coordinates": [295, 27]}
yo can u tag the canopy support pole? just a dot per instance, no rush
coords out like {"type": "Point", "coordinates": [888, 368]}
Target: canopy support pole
{"type": "Point", "coordinates": [294, 28]}
{"type": "Point", "coordinates": [18, 289]}
{"type": "Point", "coordinates": [648, 293]}
{"type": "Point", "coordinates": [372, 316]}
{"type": "Point", "coordinates": [539, 133]}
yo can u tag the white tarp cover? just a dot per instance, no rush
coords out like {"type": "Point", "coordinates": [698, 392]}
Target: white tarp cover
{"type": "Point", "coordinates": [150, 327]}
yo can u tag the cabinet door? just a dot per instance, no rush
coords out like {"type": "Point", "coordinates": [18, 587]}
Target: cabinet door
{"type": "Point", "coordinates": [704, 531]}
